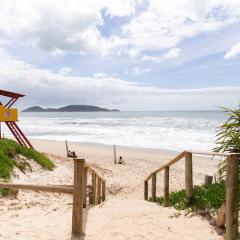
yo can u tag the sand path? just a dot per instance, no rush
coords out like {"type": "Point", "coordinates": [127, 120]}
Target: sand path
{"type": "Point", "coordinates": [124, 214]}
{"type": "Point", "coordinates": [137, 219]}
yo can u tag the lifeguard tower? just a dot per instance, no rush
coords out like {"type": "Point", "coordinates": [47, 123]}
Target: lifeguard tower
{"type": "Point", "coordinates": [10, 117]}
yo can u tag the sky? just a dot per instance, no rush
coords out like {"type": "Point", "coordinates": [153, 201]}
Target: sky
{"type": "Point", "coordinates": [128, 54]}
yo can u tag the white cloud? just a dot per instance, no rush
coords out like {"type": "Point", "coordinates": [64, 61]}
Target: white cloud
{"type": "Point", "coordinates": [233, 52]}
{"type": "Point", "coordinates": [100, 75]}
{"type": "Point", "coordinates": [119, 8]}
{"type": "Point", "coordinates": [140, 71]}
{"type": "Point", "coordinates": [49, 88]}
{"type": "Point", "coordinates": [171, 54]}
{"type": "Point", "coordinates": [72, 26]}
{"type": "Point", "coordinates": [69, 26]}
{"type": "Point", "coordinates": [65, 70]}
{"type": "Point", "coordinates": [165, 24]}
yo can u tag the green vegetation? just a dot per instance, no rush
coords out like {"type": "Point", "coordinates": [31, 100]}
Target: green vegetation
{"type": "Point", "coordinates": [228, 137]}
{"type": "Point", "coordinates": [8, 151]}
{"type": "Point", "coordinates": [210, 198]}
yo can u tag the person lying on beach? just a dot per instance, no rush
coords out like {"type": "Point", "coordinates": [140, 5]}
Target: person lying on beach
{"type": "Point", "coordinates": [120, 161]}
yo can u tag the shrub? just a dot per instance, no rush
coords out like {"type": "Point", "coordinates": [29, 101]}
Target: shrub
{"type": "Point", "coordinates": [210, 198]}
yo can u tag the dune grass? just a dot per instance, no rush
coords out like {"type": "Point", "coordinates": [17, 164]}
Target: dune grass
{"type": "Point", "coordinates": [210, 198]}
{"type": "Point", "coordinates": [9, 149]}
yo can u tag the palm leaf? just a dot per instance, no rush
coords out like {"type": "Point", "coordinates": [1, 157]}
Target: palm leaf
{"type": "Point", "coordinates": [228, 137]}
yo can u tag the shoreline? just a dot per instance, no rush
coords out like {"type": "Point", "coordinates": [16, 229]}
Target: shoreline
{"type": "Point", "coordinates": [107, 146]}
{"type": "Point", "coordinates": [41, 145]}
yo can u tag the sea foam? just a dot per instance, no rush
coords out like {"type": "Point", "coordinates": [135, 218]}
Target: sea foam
{"type": "Point", "coordinates": [163, 130]}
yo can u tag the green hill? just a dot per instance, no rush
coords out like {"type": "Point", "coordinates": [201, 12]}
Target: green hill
{"type": "Point", "coordinates": [70, 108]}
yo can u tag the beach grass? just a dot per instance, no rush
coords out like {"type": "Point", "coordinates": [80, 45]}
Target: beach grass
{"type": "Point", "coordinates": [8, 151]}
{"type": "Point", "coordinates": [210, 198]}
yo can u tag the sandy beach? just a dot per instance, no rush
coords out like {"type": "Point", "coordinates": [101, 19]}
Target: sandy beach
{"type": "Point", "coordinates": [124, 214]}
{"type": "Point", "coordinates": [158, 80]}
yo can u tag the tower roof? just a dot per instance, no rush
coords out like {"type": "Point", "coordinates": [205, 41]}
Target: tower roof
{"type": "Point", "coordinates": [10, 94]}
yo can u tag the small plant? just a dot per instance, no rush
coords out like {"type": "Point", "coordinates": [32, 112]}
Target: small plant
{"type": "Point", "coordinates": [210, 198]}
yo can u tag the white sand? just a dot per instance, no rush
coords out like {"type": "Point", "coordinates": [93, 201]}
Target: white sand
{"type": "Point", "coordinates": [124, 215]}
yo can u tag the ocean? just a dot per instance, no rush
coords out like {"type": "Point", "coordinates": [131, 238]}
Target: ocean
{"type": "Point", "coordinates": [172, 130]}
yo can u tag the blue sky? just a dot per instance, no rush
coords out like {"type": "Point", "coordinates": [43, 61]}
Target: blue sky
{"type": "Point", "coordinates": [130, 54]}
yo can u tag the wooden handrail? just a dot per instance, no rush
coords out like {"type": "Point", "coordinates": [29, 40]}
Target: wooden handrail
{"type": "Point", "coordinates": [92, 170]}
{"type": "Point", "coordinates": [215, 153]}
{"type": "Point", "coordinates": [170, 163]}
{"type": "Point", "coordinates": [45, 188]}
{"type": "Point", "coordinates": [59, 188]}
{"type": "Point", "coordinates": [189, 166]}
{"type": "Point", "coordinates": [182, 154]}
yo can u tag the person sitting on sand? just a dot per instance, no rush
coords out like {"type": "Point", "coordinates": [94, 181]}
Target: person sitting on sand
{"type": "Point", "coordinates": [120, 161]}
{"type": "Point", "coordinates": [71, 154]}
{"type": "Point", "coordinates": [74, 154]}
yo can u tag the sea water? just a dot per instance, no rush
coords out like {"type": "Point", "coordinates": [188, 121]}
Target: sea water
{"type": "Point", "coordinates": [172, 130]}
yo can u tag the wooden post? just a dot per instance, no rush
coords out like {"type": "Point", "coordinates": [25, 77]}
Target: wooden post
{"type": "Point", "coordinates": [221, 218]}
{"type": "Point", "coordinates": [154, 186]}
{"type": "Point", "coordinates": [103, 191]}
{"type": "Point", "coordinates": [77, 213]}
{"type": "Point", "coordinates": [188, 177]}
{"type": "Point", "coordinates": [99, 186]}
{"type": "Point", "coordinates": [114, 154]}
{"type": "Point", "coordinates": [146, 190]}
{"type": "Point", "coordinates": [66, 143]}
{"type": "Point", "coordinates": [93, 190]}
{"type": "Point", "coordinates": [208, 181]}
{"type": "Point", "coordinates": [166, 186]}
{"type": "Point", "coordinates": [85, 187]}
{"type": "Point", "coordinates": [231, 198]}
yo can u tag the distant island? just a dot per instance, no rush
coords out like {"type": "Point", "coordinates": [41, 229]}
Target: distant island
{"type": "Point", "coordinates": [70, 108]}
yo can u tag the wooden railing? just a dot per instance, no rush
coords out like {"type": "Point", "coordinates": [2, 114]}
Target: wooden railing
{"type": "Point", "coordinates": [95, 192]}
{"type": "Point", "coordinates": [232, 162]}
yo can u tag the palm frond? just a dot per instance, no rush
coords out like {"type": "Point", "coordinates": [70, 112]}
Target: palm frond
{"type": "Point", "coordinates": [228, 137]}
